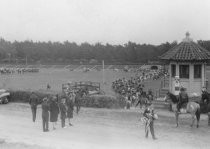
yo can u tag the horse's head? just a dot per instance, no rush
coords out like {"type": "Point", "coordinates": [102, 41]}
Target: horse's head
{"type": "Point", "coordinates": [171, 97]}
{"type": "Point", "coordinates": [167, 97]}
{"type": "Point", "coordinates": [205, 97]}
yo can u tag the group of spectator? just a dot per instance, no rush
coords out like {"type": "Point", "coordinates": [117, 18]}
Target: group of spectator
{"type": "Point", "coordinates": [133, 89]}
{"type": "Point", "coordinates": [124, 86]}
{"type": "Point", "coordinates": [5, 70]}
{"type": "Point", "coordinates": [134, 84]}
{"type": "Point", "coordinates": [53, 106]}
{"type": "Point", "coordinates": [27, 70]}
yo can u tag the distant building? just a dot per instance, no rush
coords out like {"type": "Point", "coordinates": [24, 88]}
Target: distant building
{"type": "Point", "coordinates": [187, 66]}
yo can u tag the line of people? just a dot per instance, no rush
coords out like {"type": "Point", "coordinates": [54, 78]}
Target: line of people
{"type": "Point", "coordinates": [55, 105]}
{"type": "Point", "coordinates": [5, 70]}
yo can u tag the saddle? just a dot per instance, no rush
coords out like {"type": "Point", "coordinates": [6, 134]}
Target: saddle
{"type": "Point", "coordinates": [183, 108]}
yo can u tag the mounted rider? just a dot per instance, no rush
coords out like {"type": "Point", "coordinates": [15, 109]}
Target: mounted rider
{"type": "Point", "coordinates": [183, 98]}
{"type": "Point", "coordinates": [205, 96]}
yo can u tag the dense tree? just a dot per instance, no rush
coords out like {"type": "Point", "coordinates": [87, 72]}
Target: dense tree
{"type": "Point", "coordinates": [71, 52]}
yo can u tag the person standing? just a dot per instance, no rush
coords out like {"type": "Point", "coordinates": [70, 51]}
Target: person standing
{"type": "Point", "coordinates": [78, 100]}
{"type": "Point", "coordinates": [48, 86]}
{"type": "Point", "coordinates": [63, 112]}
{"type": "Point", "coordinates": [33, 101]}
{"type": "Point", "coordinates": [54, 111]}
{"type": "Point", "coordinates": [150, 95]}
{"type": "Point", "coordinates": [149, 116]}
{"type": "Point", "coordinates": [70, 107]}
{"type": "Point", "coordinates": [45, 115]}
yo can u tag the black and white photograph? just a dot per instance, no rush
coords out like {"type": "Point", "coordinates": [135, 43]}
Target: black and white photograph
{"type": "Point", "coordinates": [104, 74]}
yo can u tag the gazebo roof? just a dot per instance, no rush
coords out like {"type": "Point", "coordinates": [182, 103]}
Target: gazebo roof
{"type": "Point", "coordinates": [187, 50]}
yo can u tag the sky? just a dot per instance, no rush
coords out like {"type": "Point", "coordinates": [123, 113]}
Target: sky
{"type": "Point", "coordinates": [105, 21]}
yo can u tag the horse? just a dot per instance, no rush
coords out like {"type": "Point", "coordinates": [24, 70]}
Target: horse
{"type": "Point", "coordinates": [192, 108]}
{"type": "Point", "coordinates": [205, 104]}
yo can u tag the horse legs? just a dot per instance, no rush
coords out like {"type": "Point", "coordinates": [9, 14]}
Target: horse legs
{"type": "Point", "coordinates": [177, 119]}
{"type": "Point", "coordinates": [198, 116]}
{"type": "Point", "coordinates": [193, 120]}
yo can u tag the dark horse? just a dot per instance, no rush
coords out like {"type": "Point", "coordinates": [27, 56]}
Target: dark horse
{"type": "Point", "coordinates": [192, 108]}
{"type": "Point", "coordinates": [205, 104]}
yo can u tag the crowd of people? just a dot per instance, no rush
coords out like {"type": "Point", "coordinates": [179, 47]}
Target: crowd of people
{"type": "Point", "coordinates": [53, 106]}
{"type": "Point", "coordinates": [5, 70]}
{"type": "Point", "coordinates": [124, 86]}
{"type": "Point", "coordinates": [27, 70]}
{"type": "Point", "coordinates": [132, 85]}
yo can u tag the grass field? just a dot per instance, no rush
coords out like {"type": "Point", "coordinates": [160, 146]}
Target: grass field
{"type": "Point", "coordinates": [56, 77]}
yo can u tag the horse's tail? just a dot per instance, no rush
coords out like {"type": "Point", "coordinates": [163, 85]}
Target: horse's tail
{"type": "Point", "coordinates": [198, 113]}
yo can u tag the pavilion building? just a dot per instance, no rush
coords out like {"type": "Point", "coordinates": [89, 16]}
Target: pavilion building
{"type": "Point", "coordinates": [187, 66]}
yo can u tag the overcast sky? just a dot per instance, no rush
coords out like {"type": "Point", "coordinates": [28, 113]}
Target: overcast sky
{"type": "Point", "coordinates": [112, 21]}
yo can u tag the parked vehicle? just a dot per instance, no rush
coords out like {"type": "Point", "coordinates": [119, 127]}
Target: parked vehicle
{"type": "Point", "coordinates": [4, 96]}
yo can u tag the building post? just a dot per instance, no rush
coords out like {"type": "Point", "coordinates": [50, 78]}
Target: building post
{"type": "Point", "coordinates": [170, 77]}
{"type": "Point", "coordinates": [203, 78]}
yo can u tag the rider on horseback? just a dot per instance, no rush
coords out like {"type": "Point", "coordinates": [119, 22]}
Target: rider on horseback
{"type": "Point", "coordinates": [205, 96]}
{"type": "Point", "coordinates": [183, 98]}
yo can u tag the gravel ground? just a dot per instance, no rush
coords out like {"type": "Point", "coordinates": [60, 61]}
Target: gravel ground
{"type": "Point", "coordinates": [99, 128]}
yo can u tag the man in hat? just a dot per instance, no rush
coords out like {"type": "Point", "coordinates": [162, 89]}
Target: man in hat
{"type": "Point", "coordinates": [63, 111]}
{"type": "Point", "coordinates": [70, 107]}
{"type": "Point", "coordinates": [45, 114]}
{"type": "Point", "coordinates": [77, 101]}
{"type": "Point", "coordinates": [183, 98]}
{"type": "Point", "coordinates": [33, 101]}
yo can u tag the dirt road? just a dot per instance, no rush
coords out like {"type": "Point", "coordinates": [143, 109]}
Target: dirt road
{"type": "Point", "coordinates": [98, 128]}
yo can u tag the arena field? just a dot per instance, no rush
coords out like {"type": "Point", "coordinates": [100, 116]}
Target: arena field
{"type": "Point", "coordinates": [93, 128]}
{"type": "Point", "coordinates": [57, 76]}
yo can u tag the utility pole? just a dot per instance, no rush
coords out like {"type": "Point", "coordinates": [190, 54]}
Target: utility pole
{"type": "Point", "coordinates": [9, 54]}
{"type": "Point", "coordinates": [26, 60]}
{"type": "Point", "coordinates": [103, 71]}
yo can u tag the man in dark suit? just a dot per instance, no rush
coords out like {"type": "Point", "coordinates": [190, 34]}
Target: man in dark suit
{"type": "Point", "coordinates": [45, 114]}
{"type": "Point", "coordinates": [63, 111]}
{"type": "Point", "coordinates": [70, 107]}
{"type": "Point", "coordinates": [33, 101]}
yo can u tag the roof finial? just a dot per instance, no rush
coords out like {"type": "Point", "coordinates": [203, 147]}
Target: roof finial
{"type": "Point", "coordinates": [187, 34]}
{"type": "Point", "coordinates": [187, 38]}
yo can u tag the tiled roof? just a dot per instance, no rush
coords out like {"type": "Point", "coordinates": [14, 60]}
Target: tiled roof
{"type": "Point", "coordinates": [187, 50]}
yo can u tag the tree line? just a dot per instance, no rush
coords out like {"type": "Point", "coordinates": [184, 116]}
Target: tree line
{"type": "Point", "coordinates": [71, 52]}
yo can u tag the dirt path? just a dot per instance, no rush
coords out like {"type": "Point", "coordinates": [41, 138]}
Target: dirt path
{"type": "Point", "coordinates": [99, 128]}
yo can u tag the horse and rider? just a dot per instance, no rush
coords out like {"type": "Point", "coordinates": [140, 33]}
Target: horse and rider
{"type": "Point", "coordinates": [191, 107]}
{"type": "Point", "coordinates": [205, 104]}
